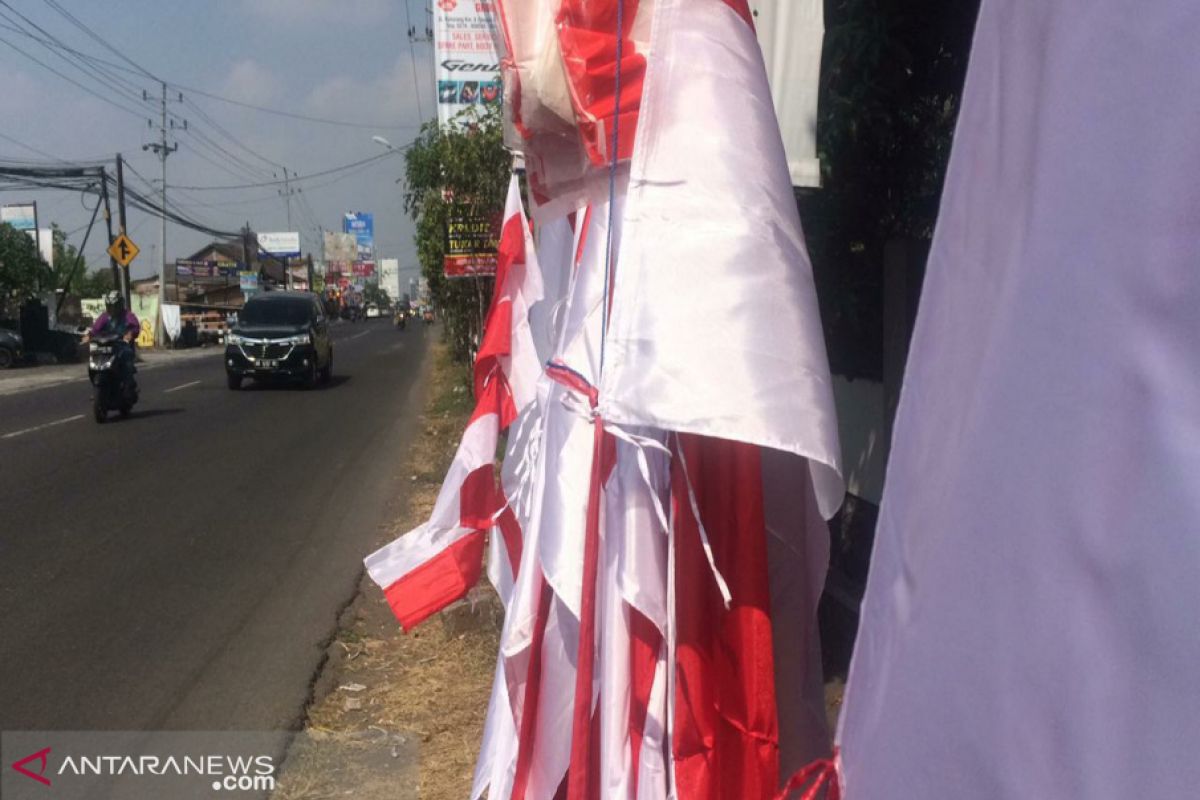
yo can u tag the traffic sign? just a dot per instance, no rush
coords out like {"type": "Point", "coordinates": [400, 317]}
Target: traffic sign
{"type": "Point", "coordinates": [123, 250]}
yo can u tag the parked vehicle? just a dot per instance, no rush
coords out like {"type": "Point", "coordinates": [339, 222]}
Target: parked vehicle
{"type": "Point", "coordinates": [280, 335]}
{"type": "Point", "coordinates": [372, 311]}
{"type": "Point", "coordinates": [114, 386]}
{"type": "Point", "coordinates": [428, 315]}
{"type": "Point", "coordinates": [12, 348]}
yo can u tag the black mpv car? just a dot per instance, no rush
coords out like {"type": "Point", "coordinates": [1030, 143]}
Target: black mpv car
{"type": "Point", "coordinates": [280, 335]}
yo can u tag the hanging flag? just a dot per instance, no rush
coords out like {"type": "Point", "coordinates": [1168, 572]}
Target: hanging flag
{"type": "Point", "coordinates": [437, 563]}
{"type": "Point", "coordinates": [1030, 627]}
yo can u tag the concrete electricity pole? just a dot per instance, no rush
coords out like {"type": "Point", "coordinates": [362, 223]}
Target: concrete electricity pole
{"type": "Point", "coordinates": [162, 149]}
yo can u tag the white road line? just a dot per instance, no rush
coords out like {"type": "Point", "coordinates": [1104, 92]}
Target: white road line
{"type": "Point", "coordinates": [181, 386]}
{"type": "Point", "coordinates": [41, 427]}
{"type": "Point", "coordinates": [356, 336]}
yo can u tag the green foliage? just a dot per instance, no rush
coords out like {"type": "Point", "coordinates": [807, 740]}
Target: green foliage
{"type": "Point", "coordinates": [22, 271]}
{"type": "Point", "coordinates": [68, 266]}
{"type": "Point", "coordinates": [891, 80]}
{"type": "Point", "coordinates": [464, 163]}
{"type": "Point", "coordinates": [374, 293]}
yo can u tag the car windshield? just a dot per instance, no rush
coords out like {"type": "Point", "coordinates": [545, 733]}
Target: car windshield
{"type": "Point", "coordinates": [276, 312]}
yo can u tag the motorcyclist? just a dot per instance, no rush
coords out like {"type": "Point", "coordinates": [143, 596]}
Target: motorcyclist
{"type": "Point", "coordinates": [117, 321]}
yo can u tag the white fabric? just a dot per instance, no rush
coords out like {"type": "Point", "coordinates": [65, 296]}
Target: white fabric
{"type": "Point", "coordinates": [791, 33]}
{"type": "Point", "coordinates": [713, 266]}
{"type": "Point", "coordinates": [1030, 624]}
{"type": "Point", "coordinates": [170, 320]}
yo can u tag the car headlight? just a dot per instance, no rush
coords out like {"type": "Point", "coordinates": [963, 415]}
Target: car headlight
{"type": "Point", "coordinates": [303, 338]}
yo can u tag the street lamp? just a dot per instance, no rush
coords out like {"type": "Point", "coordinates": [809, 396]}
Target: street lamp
{"type": "Point", "coordinates": [382, 141]}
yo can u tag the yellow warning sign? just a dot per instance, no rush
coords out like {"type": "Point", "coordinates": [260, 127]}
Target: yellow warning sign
{"type": "Point", "coordinates": [123, 250]}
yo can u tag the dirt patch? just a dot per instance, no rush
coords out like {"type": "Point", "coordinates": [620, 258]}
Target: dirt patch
{"type": "Point", "coordinates": [426, 693]}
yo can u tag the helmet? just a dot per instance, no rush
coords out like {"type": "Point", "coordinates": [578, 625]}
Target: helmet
{"type": "Point", "coordinates": [113, 298]}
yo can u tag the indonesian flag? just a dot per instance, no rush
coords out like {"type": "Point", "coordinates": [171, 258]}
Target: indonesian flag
{"type": "Point", "coordinates": [1030, 624]}
{"type": "Point", "coordinates": [432, 566]}
{"type": "Point", "coordinates": [670, 475]}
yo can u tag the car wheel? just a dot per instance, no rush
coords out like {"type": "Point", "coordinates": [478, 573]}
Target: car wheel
{"type": "Point", "coordinates": [125, 409]}
{"type": "Point", "coordinates": [7, 358]}
{"type": "Point", "coordinates": [233, 381]}
{"type": "Point", "coordinates": [312, 376]}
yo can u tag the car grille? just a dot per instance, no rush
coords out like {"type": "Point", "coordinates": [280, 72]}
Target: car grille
{"type": "Point", "coordinates": [271, 350]}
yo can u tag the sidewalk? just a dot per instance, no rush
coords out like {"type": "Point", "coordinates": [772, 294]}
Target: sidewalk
{"type": "Point", "coordinates": [37, 376]}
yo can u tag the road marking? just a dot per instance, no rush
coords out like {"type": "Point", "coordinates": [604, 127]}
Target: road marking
{"type": "Point", "coordinates": [181, 386]}
{"type": "Point", "coordinates": [42, 427]}
{"type": "Point", "coordinates": [356, 336]}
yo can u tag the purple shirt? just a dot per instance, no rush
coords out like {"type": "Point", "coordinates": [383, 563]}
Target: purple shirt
{"type": "Point", "coordinates": [102, 323]}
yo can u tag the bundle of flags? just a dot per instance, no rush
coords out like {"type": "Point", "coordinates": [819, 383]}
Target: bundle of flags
{"type": "Point", "coordinates": [655, 369]}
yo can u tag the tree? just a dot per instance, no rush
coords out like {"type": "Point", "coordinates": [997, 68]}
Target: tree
{"type": "Point", "coordinates": [374, 293]}
{"type": "Point", "coordinates": [22, 271]}
{"type": "Point", "coordinates": [891, 80]}
{"type": "Point", "coordinates": [463, 164]}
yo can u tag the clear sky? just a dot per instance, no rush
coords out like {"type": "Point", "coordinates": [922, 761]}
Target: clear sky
{"type": "Point", "coordinates": [348, 60]}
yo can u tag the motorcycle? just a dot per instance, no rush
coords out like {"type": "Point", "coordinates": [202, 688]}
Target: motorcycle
{"type": "Point", "coordinates": [401, 320]}
{"type": "Point", "coordinates": [112, 392]}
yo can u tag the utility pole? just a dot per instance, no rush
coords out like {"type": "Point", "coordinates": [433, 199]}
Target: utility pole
{"type": "Point", "coordinates": [123, 282]}
{"type": "Point", "coordinates": [287, 195]}
{"type": "Point", "coordinates": [162, 149]}
{"type": "Point", "coordinates": [116, 272]}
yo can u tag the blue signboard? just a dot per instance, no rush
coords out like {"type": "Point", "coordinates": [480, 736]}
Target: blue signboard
{"type": "Point", "coordinates": [362, 225]}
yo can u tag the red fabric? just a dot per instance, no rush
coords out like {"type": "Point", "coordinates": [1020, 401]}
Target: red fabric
{"type": "Point", "coordinates": [582, 776]}
{"type": "Point", "coordinates": [643, 662]}
{"type": "Point", "coordinates": [823, 774]}
{"type": "Point", "coordinates": [438, 582]}
{"type": "Point", "coordinates": [742, 9]}
{"type": "Point", "coordinates": [480, 498]}
{"type": "Point", "coordinates": [587, 37]}
{"type": "Point", "coordinates": [510, 532]}
{"type": "Point", "coordinates": [726, 738]}
{"type": "Point", "coordinates": [533, 686]}
{"type": "Point", "coordinates": [492, 392]}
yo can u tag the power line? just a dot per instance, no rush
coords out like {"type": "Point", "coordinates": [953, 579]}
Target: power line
{"type": "Point", "coordinates": [110, 101]}
{"type": "Point", "coordinates": [290, 114]}
{"type": "Point", "coordinates": [298, 178]}
{"type": "Point", "coordinates": [95, 36]}
{"type": "Point", "coordinates": [412, 58]}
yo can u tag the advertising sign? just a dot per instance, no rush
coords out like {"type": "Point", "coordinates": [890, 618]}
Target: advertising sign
{"type": "Point", "coordinates": [285, 245]}
{"type": "Point", "coordinates": [22, 216]}
{"type": "Point", "coordinates": [471, 242]}
{"type": "Point", "coordinates": [191, 269]}
{"type": "Point", "coordinates": [468, 69]}
{"type": "Point", "coordinates": [361, 225]}
{"type": "Point", "coordinates": [340, 248]}
{"type": "Point", "coordinates": [362, 268]}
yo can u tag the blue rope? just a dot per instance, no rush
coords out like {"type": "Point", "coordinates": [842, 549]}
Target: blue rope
{"type": "Point", "coordinates": [612, 181]}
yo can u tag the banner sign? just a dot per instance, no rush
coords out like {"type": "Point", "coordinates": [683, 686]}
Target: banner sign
{"type": "Point", "coordinates": [280, 244]}
{"type": "Point", "coordinates": [22, 216]}
{"type": "Point", "coordinates": [471, 242]}
{"type": "Point", "coordinates": [360, 225]}
{"type": "Point", "coordinates": [468, 69]}
{"type": "Point", "coordinates": [248, 281]}
{"type": "Point", "coordinates": [191, 268]}
{"type": "Point", "coordinates": [341, 248]}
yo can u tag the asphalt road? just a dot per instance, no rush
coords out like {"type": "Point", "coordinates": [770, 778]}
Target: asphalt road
{"type": "Point", "coordinates": [183, 569]}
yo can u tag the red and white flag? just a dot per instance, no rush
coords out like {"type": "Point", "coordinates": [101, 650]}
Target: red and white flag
{"type": "Point", "coordinates": [432, 566]}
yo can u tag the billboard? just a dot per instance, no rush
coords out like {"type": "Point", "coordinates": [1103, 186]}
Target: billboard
{"type": "Point", "coordinates": [23, 217]}
{"type": "Point", "coordinates": [464, 45]}
{"type": "Point", "coordinates": [471, 242]}
{"type": "Point", "coordinates": [340, 248]}
{"type": "Point", "coordinates": [361, 225]}
{"type": "Point", "coordinates": [389, 277]}
{"type": "Point", "coordinates": [285, 245]}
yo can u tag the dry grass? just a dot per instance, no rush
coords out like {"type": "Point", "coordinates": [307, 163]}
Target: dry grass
{"type": "Point", "coordinates": [430, 686]}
